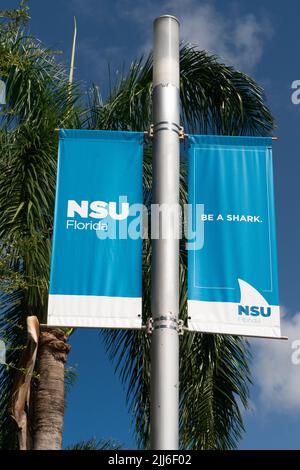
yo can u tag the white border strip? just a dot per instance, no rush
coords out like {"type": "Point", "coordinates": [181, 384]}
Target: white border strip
{"type": "Point", "coordinates": [223, 318]}
{"type": "Point", "coordinates": [94, 311]}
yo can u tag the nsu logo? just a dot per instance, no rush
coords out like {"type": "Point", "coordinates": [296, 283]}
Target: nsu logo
{"type": "Point", "coordinates": [254, 311]}
{"type": "Point", "coordinates": [97, 209]}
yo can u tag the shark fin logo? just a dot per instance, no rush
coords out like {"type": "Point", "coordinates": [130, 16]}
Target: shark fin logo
{"type": "Point", "coordinates": [252, 302]}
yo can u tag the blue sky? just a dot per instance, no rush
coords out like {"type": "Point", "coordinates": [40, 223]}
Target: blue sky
{"type": "Point", "coordinates": [259, 37]}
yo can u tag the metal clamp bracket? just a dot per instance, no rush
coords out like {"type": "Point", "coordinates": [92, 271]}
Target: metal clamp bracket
{"type": "Point", "coordinates": [163, 322]}
{"type": "Point", "coordinates": [182, 135]}
{"type": "Point", "coordinates": [149, 326]}
{"type": "Point", "coordinates": [149, 133]}
{"type": "Point", "coordinates": [180, 327]}
{"type": "Point", "coordinates": [164, 125]}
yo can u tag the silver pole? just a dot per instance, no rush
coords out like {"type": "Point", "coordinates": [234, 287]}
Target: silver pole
{"type": "Point", "coordinates": [165, 251]}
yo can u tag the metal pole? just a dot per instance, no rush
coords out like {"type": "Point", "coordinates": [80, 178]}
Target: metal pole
{"type": "Point", "coordinates": [165, 252]}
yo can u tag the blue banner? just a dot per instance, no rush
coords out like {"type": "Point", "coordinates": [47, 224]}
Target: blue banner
{"type": "Point", "coordinates": [96, 262]}
{"type": "Point", "coordinates": [232, 273]}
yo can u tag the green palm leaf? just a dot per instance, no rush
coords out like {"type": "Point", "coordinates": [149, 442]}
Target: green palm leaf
{"type": "Point", "coordinates": [214, 372]}
{"type": "Point", "coordinates": [93, 444]}
{"type": "Point", "coordinates": [39, 99]}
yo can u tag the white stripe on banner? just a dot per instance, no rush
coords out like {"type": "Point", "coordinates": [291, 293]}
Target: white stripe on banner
{"type": "Point", "coordinates": [224, 317]}
{"type": "Point", "coordinates": [94, 311]}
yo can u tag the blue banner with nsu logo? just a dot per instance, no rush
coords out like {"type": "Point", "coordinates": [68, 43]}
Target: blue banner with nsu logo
{"type": "Point", "coordinates": [232, 275]}
{"type": "Point", "coordinates": [96, 266]}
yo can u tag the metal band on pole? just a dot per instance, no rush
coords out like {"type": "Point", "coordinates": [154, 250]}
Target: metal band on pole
{"type": "Point", "coordinates": [165, 251]}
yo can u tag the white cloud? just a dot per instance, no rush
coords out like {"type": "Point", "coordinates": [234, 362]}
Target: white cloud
{"type": "Point", "coordinates": [276, 369]}
{"type": "Point", "coordinates": [238, 39]}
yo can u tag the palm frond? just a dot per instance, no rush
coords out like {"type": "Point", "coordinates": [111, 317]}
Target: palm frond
{"type": "Point", "coordinates": [214, 372]}
{"type": "Point", "coordinates": [93, 444]}
{"type": "Point", "coordinates": [215, 99]}
{"type": "Point", "coordinates": [39, 99]}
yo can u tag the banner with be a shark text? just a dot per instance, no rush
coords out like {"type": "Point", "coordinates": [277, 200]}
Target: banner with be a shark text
{"type": "Point", "coordinates": [232, 274]}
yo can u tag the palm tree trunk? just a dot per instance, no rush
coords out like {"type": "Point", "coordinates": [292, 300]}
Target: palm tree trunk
{"type": "Point", "coordinates": [49, 399]}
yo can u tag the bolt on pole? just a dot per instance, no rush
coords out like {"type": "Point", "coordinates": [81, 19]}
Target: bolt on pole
{"type": "Point", "coordinates": [164, 398]}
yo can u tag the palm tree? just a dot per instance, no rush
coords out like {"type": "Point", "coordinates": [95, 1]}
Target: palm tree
{"type": "Point", "coordinates": [214, 371]}
{"type": "Point", "coordinates": [38, 101]}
